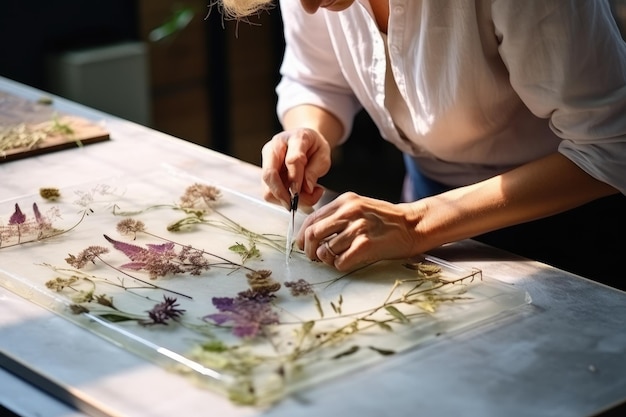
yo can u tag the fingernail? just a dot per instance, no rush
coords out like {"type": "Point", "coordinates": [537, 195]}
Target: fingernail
{"type": "Point", "coordinates": [293, 189]}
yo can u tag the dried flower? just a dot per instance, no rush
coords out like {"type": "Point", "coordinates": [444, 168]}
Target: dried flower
{"type": "Point", "coordinates": [82, 297]}
{"type": "Point", "coordinates": [194, 260]}
{"type": "Point", "coordinates": [51, 194]}
{"type": "Point", "coordinates": [38, 217]}
{"type": "Point", "coordinates": [162, 312]}
{"type": "Point", "coordinates": [299, 287]}
{"type": "Point", "coordinates": [58, 284]}
{"type": "Point", "coordinates": [200, 197]}
{"type": "Point", "coordinates": [21, 229]}
{"type": "Point", "coordinates": [78, 309]}
{"type": "Point", "coordinates": [161, 260]}
{"type": "Point", "coordinates": [17, 217]}
{"type": "Point", "coordinates": [261, 281]}
{"type": "Point", "coordinates": [87, 255]}
{"type": "Point", "coordinates": [105, 300]}
{"type": "Point", "coordinates": [130, 227]}
{"type": "Point", "coordinates": [246, 314]}
{"type": "Point", "coordinates": [87, 198]}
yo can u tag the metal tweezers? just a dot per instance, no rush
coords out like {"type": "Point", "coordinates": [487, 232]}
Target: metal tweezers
{"type": "Point", "coordinates": [290, 229]}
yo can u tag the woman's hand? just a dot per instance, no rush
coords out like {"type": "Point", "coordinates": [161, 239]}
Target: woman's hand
{"type": "Point", "coordinates": [353, 230]}
{"type": "Point", "coordinates": [295, 158]}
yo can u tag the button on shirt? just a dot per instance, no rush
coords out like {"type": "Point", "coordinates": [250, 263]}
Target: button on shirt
{"type": "Point", "coordinates": [488, 85]}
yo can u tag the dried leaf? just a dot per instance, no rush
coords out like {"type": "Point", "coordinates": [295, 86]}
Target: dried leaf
{"type": "Point", "coordinates": [214, 346]}
{"type": "Point", "coordinates": [238, 248]}
{"type": "Point", "coordinates": [427, 306]}
{"type": "Point", "coordinates": [384, 326]}
{"type": "Point", "coordinates": [307, 326]}
{"type": "Point", "coordinates": [350, 351]}
{"type": "Point", "coordinates": [244, 252]}
{"type": "Point", "coordinates": [384, 352]}
{"type": "Point", "coordinates": [397, 314]}
{"type": "Point", "coordinates": [115, 318]}
{"type": "Point", "coordinates": [318, 305]}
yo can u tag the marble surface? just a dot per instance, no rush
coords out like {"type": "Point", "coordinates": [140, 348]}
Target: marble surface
{"type": "Point", "coordinates": [562, 355]}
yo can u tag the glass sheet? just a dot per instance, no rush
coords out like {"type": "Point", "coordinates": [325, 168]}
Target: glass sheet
{"type": "Point", "coordinates": [235, 317]}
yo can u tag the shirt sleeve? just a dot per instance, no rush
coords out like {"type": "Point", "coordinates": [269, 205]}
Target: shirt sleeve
{"type": "Point", "coordinates": [310, 72]}
{"type": "Point", "coordinates": [567, 62]}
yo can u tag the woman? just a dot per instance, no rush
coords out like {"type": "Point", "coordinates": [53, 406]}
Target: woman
{"type": "Point", "coordinates": [506, 111]}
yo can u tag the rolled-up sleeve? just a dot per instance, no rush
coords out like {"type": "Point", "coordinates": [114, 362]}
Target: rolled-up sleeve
{"type": "Point", "coordinates": [310, 71]}
{"type": "Point", "coordinates": [567, 62]}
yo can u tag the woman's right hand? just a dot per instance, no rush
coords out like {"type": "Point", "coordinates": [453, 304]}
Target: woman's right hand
{"type": "Point", "coordinates": [295, 159]}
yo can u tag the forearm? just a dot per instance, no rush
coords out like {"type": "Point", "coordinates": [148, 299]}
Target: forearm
{"type": "Point", "coordinates": [316, 118]}
{"type": "Point", "coordinates": [539, 189]}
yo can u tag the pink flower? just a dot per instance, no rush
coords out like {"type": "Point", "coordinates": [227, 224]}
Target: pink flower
{"type": "Point", "coordinates": [18, 217]}
{"type": "Point", "coordinates": [161, 260]}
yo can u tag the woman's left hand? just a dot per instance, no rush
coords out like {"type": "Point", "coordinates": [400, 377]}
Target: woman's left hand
{"type": "Point", "coordinates": [352, 231]}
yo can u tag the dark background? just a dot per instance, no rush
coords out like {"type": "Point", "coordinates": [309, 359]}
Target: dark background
{"type": "Point", "coordinates": [212, 84]}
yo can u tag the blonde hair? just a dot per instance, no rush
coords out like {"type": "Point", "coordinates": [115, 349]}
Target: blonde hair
{"type": "Point", "coordinates": [241, 8]}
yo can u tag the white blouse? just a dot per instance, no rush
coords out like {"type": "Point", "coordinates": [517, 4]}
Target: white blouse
{"type": "Point", "coordinates": [488, 84]}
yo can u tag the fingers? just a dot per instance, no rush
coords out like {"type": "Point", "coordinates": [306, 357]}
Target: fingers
{"type": "Point", "coordinates": [353, 231]}
{"type": "Point", "coordinates": [295, 159]}
{"type": "Point", "coordinates": [274, 171]}
{"type": "Point", "coordinates": [319, 235]}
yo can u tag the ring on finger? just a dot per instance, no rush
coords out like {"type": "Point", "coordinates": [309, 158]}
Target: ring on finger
{"type": "Point", "coordinates": [332, 252]}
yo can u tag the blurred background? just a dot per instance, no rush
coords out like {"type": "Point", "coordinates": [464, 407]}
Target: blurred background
{"type": "Point", "coordinates": [176, 66]}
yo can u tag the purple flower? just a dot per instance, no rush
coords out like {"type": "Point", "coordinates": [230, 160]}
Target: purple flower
{"type": "Point", "coordinates": [162, 312]}
{"type": "Point", "coordinates": [38, 215]}
{"type": "Point", "coordinates": [247, 314]}
{"type": "Point", "coordinates": [161, 260]}
{"type": "Point", "coordinates": [18, 217]}
{"type": "Point", "coordinates": [43, 223]}
{"type": "Point", "coordinates": [299, 287]}
{"type": "Point", "coordinates": [134, 252]}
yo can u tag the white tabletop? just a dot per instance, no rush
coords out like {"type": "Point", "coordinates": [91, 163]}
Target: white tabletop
{"type": "Point", "coordinates": [564, 355]}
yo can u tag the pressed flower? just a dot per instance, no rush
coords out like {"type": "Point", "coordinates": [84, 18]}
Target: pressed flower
{"type": "Point", "coordinates": [50, 193]}
{"type": "Point", "coordinates": [200, 197]}
{"type": "Point", "coordinates": [130, 227]}
{"type": "Point", "coordinates": [161, 260]}
{"type": "Point", "coordinates": [82, 297]}
{"type": "Point", "coordinates": [299, 287]}
{"type": "Point", "coordinates": [133, 252]}
{"type": "Point", "coordinates": [247, 315]}
{"type": "Point", "coordinates": [194, 260]}
{"type": "Point", "coordinates": [105, 300]}
{"type": "Point", "coordinates": [87, 255]}
{"type": "Point", "coordinates": [262, 282]}
{"type": "Point", "coordinates": [162, 312]}
{"type": "Point", "coordinates": [78, 309]}
{"type": "Point", "coordinates": [38, 215]}
{"type": "Point", "coordinates": [258, 296]}
{"type": "Point", "coordinates": [58, 284]}
{"type": "Point", "coordinates": [43, 223]}
{"type": "Point", "coordinates": [17, 217]}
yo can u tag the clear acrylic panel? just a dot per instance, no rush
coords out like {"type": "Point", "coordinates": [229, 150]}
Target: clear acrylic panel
{"type": "Point", "coordinates": [205, 290]}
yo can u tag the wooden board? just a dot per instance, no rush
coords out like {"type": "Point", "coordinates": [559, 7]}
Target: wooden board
{"type": "Point", "coordinates": [25, 115]}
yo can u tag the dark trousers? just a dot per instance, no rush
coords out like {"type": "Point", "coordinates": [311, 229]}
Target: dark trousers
{"type": "Point", "coordinates": [588, 241]}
